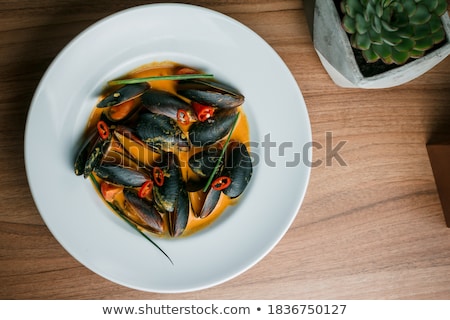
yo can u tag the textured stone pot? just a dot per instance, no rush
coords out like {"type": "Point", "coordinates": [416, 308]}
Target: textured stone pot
{"type": "Point", "coordinates": [336, 54]}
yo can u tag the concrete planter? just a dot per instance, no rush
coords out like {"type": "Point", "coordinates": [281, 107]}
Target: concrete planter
{"type": "Point", "coordinates": [335, 52]}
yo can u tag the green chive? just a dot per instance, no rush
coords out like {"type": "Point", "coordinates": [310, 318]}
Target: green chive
{"type": "Point", "coordinates": [127, 220]}
{"type": "Point", "coordinates": [155, 78]}
{"type": "Point", "coordinates": [211, 177]}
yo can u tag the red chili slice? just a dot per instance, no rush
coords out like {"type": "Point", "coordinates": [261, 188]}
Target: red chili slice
{"type": "Point", "coordinates": [158, 176]}
{"type": "Point", "coordinates": [103, 129]}
{"type": "Point", "coordinates": [203, 112]}
{"type": "Point", "coordinates": [182, 116]}
{"type": "Point", "coordinates": [145, 189]}
{"type": "Point", "coordinates": [221, 183]}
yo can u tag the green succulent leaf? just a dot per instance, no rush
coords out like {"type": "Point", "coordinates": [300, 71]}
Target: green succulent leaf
{"type": "Point", "coordinates": [361, 41]}
{"type": "Point", "coordinates": [397, 7]}
{"type": "Point", "coordinates": [391, 38]}
{"type": "Point", "coordinates": [388, 60]}
{"type": "Point", "coordinates": [375, 37]}
{"type": "Point", "coordinates": [416, 54]}
{"type": "Point", "coordinates": [441, 8]}
{"type": "Point", "coordinates": [435, 23]}
{"type": "Point", "coordinates": [399, 57]}
{"type": "Point", "coordinates": [370, 11]}
{"type": "Point", "coordinates": [424, 43]}
{"type": "Point", "coordinates": [388, 27]}
{"type": "Point", "coordinates": [349, 24]}
{"type": "Point", "coordinates": [352, 7]}
{"type": "Point", "coordinates": [379, 9]}
{"type": "Point", "coordinates": [431, 4]}
{"type": "Point", "coordinates": [344, 7]}
{"type": "Point", "coordinates": [422, 15]}
{"type": "Point", "coordinates": [376, 24]}
{"type": "Point", "coordinates": [386, 3]}
{"type": "Point", "coordinates": [370, 55]}
{"type": "Point", "coordinates": [401, 19]}
{"type": "Point", "coordinates": [362, 26]}
{"type": "Point", "coordinates": [438, 36]}
{"type": "Point", "coordinates": [410, 7]}
{"type": "Point", "coordinates": [383, 51]}
{"type": "Point", "coordinates": [405, 45]}
{"type": "Point", "coordinates": [422, 31]}
{"type": "Point", "coordinates": [406, 32]}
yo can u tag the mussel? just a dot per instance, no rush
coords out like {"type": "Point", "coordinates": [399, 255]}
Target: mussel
{"type": "Point", "coordinates": [209, 204]}
{"type": "Point", "coordinates": [231, 178]}
{"type": "Point", "coordinates": [121, 176]}
{"type": "Point", "coordinates": [209, 132]}
{"type": "Point", "coordinates": [92, 152]}
{"type": "Point", "coordinates": [168, 104]}
{"type": "Point", "coordinates": [170, 195]}
{"type": "Point", "coordinates": [102, 146]}
{"type": "Point", "coordinates": [238, 167]}
{"type": "Point", "coordinates": [210, 93]}
{"type": "Point", "coordinates": [123, 94]}
{"type": "Point", "coordinates": [160, 132]}
{"type": "Point", "coordinates": [202, 165]}
{"type": "Point", "coordinates": [178, 218]}
{"type": "Point", "coordinates": [122, 102]}
{"type": "Point", "coordinates": [165, 192]}
{"type": "Point", "coordinates": [144, 209]}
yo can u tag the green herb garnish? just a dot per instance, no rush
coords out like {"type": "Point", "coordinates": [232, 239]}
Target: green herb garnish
{"type": "Point", "coordinates": [127, 220]}
{"type": "Point", "coordinates": [155, 78]}
{"type": "Point", "coordinates": [211, 177]}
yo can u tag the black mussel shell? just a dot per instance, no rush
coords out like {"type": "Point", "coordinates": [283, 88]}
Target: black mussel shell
{"type": "Point", "coordinates": [206, 133]}
{"type": "Point", "coordinates": [125, 93]}
{"type": "Point", "coordinates": [211, 200]}
{"type": "Point", "coordinates": [178, 218]}
{"type": "Point", "coordinates": [160, 132]}
{"type": "Point", "coordinates": [210, 93]}
{"type": "Point", "coordinates": [238, 167]}
{"type": "Point", "coordinates": [144, 209]}
{"type": "Point", "coordinates": [166, 195]}
{"type": "Point", "coordinates": [121, 176]}
{"type": "Point", "coordinates": [165, 103]}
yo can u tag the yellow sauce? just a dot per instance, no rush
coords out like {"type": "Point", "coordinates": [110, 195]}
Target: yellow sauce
{"type": "Point", "coordinates": [147, 157]}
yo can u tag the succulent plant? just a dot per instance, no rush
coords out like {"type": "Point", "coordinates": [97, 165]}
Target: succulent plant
{"type": "Point", "coordinates": [393, 30]}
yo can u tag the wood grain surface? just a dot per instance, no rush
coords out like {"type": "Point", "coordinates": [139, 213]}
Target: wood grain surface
{"type": "Point", "coordinates": [370, 227]}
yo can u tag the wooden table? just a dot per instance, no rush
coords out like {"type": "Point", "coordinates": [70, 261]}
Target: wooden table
{"type": "Point", "coordinates": [371, 228]}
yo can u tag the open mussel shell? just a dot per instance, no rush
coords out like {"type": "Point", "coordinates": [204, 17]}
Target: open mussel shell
{"type": "Point", "coordinates": [210, 93]}
{"type": "Point", "coordinates": [84, 152]}
{"type": "Point", "coordinates": [144, 209]}
{"type": "Point", "coordinates": [123, 94]}
{"type": "Point", "coordinates": [93, 150]}
{"type": "Point", "coordinates": [91, 154]}
{"type": "Point", "coordinates": [166, 103]}
{"type": "Point", "coordinates": [238, 166]}
{"type": "Point", "coordinates": [166, 195]}
{"type": "Point", "coordinates": [207, 133]}
{"type": "Point", "coordinates": [121, 104]}
{"type": "Point", "coordinates": [121, 176]}
{"type": "Point", "coordinates": [160, 132]}
{"type": "Point", "coordinates": [178, 218]}
{"type": "Point", "coordinates": [210, 203]}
